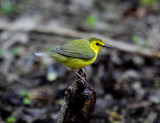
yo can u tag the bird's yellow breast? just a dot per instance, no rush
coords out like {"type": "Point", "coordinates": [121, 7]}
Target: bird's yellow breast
{"type": "Point", "coordinates": [76, 63]}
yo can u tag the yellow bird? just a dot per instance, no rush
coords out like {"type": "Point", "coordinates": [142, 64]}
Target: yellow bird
{"type": "Point", "coordinates": [77, 53]}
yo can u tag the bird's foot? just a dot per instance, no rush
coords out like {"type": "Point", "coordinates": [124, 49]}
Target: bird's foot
{"type": "Point", "coordinates": [81, 77]}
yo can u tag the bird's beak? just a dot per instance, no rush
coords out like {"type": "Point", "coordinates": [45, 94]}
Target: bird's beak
{"type": "Point", "coordinates": [107, 46]}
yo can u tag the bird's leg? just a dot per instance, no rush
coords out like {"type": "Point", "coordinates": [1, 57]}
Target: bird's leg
{"type": "Point", "coordinates": [79, 75]}
{"type": "Point", "coordinates": [85, 74]}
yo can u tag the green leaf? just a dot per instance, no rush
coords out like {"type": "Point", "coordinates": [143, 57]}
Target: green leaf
{"type": "Point", "coordinates": [11, 119]}
{"type": "Point", "coordinates": [91, 20]}
{"type": "Point", "coordinates": [26, 101]}
{"type": "Point", "coordinates": [137, 40]}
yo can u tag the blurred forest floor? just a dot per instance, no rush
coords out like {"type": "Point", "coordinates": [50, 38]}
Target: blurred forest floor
{"type": "Point", "coordinates": [127, 84]}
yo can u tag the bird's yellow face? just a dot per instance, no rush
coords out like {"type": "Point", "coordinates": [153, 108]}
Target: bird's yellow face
{"type": "Point", "coordinates": [96, 44]}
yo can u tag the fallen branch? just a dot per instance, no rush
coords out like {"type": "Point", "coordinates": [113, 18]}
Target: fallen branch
{"type": "Point", "coordinates": [119, 45]}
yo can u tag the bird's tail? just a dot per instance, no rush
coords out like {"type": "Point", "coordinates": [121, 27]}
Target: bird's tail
{"type": "Point", "coordinates": [43, 54]}
{"type": "Point", "coordinates": [54, 55]}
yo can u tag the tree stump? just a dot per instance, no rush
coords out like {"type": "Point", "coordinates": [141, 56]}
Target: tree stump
{"type": "Point", "coordinates": [79, 102]}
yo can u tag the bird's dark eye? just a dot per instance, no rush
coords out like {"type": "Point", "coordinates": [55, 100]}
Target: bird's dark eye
{"type": "Point", "coordinates": [97, 43]}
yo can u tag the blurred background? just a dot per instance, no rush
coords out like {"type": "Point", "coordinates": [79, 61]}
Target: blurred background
{"type": "Point", "coordinates": [127, 83]}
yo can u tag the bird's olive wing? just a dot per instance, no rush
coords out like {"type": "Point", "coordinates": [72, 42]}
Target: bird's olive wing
{"type": "Point", "coordinates": [77, 49]}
